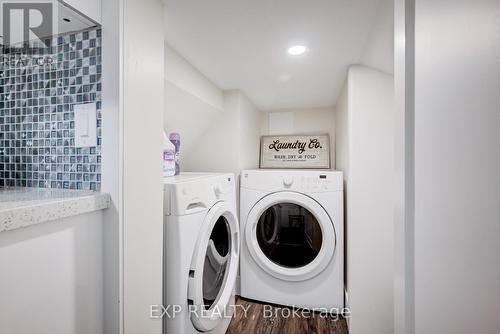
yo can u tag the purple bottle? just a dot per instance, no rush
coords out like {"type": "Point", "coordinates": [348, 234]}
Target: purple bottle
{"type": "Point", "coordinates": [175, 138]}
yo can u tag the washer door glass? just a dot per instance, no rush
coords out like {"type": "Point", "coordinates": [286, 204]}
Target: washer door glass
{"type": "Point", "coordinates": [216, 261]}
{"type": "Point", "coordinates": [214, 267]}
{"type": "Point", "coordinates": [289, 235]}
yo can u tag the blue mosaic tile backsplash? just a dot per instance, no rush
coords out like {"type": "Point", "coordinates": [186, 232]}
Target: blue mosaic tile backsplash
{"type": "Point", "coordinates": [37, 128]}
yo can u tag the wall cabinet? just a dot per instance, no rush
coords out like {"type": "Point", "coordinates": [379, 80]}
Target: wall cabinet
{"type": "Point", "coordinates": [90, 8]}
{"type": "Point", "coordinates": [73, 15]}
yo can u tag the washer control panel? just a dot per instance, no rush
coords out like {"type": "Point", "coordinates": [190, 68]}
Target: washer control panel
{"type": "Point", "coordinates": [197, 192]}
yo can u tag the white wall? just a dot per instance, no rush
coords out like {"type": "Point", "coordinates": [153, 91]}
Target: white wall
{"type": "Point", "coordinates": [249, 133]}
{"type": "Point", "coordinates": [51, 279]}
{"type": "Point", "coordinates": [183, 75]}
{"type": "Point", "coordinates": [143, 89]}
{"type": "Point", "coordinates": [457, 166]}
{"type": "Point", "coordinates": [303, 122]}
{"type": "Point", "coordinates": [379, 49]}
{"type": "Point", "coordinates": [220, 131]}
{"type": "Point", "coordinates": [203, 145]}
{"type": "Point", "coordinates": [342, 132]}
{"type": "Point", "coordinates": [365, 130]}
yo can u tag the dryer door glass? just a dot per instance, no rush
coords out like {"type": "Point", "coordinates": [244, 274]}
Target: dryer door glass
{"type": "Point", "coordinates": [289, 235]}
{"type": "Point", "coordinates": [217, 259]}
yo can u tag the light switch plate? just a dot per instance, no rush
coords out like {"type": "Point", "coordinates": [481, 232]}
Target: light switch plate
{"type": "Point", "coordinates": [85, 125]}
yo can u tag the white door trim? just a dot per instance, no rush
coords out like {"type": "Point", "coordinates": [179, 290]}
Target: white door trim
{"type": "Point", "coordinates": [404, 76]}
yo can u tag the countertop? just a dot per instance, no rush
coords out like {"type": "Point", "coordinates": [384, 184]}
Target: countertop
{"type": "Point", "coordinates": [21, 207]}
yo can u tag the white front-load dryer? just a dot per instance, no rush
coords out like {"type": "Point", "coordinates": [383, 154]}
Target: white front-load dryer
{"type": "Point", "coordinates": [201, 253]}
{"type": "Point", "coordinates": [292, 233]}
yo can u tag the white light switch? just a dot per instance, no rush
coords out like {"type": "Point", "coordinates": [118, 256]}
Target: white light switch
{"type": "Point", "coordinates": [85, 125]}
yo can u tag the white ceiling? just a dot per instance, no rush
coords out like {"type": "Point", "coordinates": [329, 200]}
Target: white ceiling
{"type": "Point", "coordinates": [241, 44]}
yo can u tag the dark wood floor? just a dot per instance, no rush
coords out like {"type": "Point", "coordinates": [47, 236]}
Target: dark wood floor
{"type": "Point", "coordinates": [256, 321]}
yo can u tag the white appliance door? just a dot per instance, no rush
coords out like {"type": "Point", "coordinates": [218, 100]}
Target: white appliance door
{"type": "Point", "coordinates": [214, 268]}
{"type": "Point", "coordinates": [290, 236]}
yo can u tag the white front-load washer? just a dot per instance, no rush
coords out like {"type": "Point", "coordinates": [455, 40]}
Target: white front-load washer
{"type": "Point", "coordinates": [201, 252]}
{"type": "Point", "coordinates": [292, 232]}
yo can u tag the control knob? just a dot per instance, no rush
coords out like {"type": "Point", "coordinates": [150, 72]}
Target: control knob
{"type": "Point", "coordinates": [287, 181]}
{"type": "Point", "coordinates": [218, 190]}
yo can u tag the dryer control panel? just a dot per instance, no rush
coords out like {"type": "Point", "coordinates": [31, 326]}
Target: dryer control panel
{"type": "Point", "coordinates": [296, 180]}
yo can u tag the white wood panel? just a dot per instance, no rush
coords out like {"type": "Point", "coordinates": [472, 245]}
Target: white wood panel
{"type": "Point", "coordinates": [143, 106]}
{"type": "Point", "coordinates": [51, 277]}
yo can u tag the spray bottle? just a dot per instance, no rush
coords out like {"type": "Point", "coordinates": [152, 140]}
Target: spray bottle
{"type": "Point", "coordinates": [175, 138]}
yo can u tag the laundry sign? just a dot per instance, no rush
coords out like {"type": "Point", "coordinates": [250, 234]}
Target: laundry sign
{"type": "Point", "coordinates": [295, 152]}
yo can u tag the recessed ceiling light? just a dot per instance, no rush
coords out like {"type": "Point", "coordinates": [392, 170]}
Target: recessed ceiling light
{"type": "Point", "coordinates": [297, 50]}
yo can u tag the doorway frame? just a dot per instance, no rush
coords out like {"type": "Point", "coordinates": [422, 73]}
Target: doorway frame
{"type": "Point", "coordinates": [404, 210]}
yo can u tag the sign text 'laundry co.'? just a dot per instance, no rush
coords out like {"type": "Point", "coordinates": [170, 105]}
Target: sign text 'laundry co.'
{"type": "Point", "coordinates": [295, 151]}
